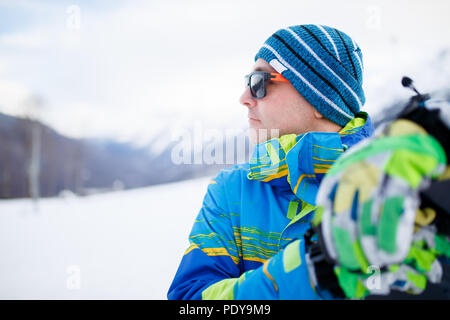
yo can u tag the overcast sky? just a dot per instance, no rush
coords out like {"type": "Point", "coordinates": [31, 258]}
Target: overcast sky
{"type": "Point", "coordinates": [127, 69]}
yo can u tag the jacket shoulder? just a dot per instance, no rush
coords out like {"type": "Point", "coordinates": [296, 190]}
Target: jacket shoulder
{"type": "Point", "coordinates": [233, 174]}
{"type": "Point", "coordinates": [226, 186]}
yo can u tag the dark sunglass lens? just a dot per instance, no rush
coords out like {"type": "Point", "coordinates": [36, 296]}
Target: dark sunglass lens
{"type": "Point", "coordinates": [257, 85]}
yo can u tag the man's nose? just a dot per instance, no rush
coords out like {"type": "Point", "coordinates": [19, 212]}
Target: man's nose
{"type": "Point", "coordinates": [246, 99]}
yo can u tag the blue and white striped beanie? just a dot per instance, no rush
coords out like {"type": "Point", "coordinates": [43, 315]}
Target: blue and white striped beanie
{"type": "Point", "coordinates": [324, 65]}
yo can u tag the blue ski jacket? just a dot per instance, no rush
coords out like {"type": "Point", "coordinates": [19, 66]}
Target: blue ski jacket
{"type": "Point", "coordinates": [247, 241]}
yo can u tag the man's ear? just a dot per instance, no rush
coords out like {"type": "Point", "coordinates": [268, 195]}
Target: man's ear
{"type": "Point", "coordinates": [317, 114]}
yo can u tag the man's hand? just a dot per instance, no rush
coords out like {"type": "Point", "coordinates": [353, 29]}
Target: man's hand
{"type": "Point", "coordinates": [369, 213]}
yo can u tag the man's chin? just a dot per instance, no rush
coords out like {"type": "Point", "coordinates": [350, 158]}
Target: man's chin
{"type": "Point", "coordinates": [258, 135]}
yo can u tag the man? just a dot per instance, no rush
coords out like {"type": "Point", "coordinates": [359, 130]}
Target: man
{"type": "Point", "coordinates": [248, 239]}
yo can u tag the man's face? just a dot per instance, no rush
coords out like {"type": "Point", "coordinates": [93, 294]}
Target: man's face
{"type": "Point", "coordinates": [283, 109]}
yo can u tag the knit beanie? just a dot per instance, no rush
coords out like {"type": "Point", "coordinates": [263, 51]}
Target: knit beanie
{"type": "Point", "coordinates": [324, 65]}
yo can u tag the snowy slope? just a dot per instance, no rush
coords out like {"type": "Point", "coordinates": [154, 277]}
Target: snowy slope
{"type": "Point", "coordinates": [122, 245]}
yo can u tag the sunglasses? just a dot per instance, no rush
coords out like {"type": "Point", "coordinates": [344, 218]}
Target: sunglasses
{"type": "Point", "coordinates": [257, 81]}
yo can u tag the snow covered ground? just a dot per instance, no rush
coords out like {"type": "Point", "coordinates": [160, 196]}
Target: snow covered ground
{"type": "Point", "coordinates": [121, 245]}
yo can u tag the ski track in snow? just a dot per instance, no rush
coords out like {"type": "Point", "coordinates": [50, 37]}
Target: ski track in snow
{"type": "Point", "coordinates": [120, 245]}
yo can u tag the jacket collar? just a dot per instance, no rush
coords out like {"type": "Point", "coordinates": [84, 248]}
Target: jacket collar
{"type": "Point", "coordinates": [299, 162]}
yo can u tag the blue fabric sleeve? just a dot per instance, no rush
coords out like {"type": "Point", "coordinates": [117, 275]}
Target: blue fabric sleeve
{"type": "Point", "coordinates": [284, 276]}
{"type": "Point", "coordinates": [212, 255]}
{"type": "Point", "coordinates": [213, 261]}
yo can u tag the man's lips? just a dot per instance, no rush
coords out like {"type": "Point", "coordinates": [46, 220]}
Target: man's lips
{"type": "Point", "coordinates": [253, 118]}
